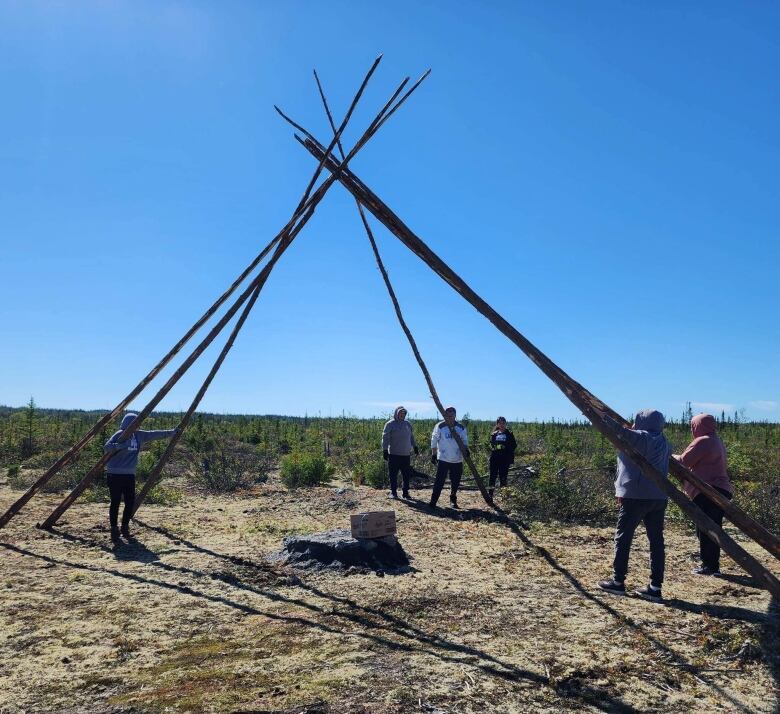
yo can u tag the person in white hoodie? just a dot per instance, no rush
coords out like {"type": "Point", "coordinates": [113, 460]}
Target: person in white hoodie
{"type": "Point", "coordinates": [446, 455]}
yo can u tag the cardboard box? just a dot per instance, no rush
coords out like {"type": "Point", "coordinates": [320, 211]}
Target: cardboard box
{"type": "Point", "coordinates": [374, 524]}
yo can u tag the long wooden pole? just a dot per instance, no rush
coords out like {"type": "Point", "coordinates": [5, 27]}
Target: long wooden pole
{"type": "Point", "coordinates": [71, 453]}
{"type": "Point", "coordinates": [401, 320]}
{"type": "Point", "coordinates": [736, 515]}
{"type": "Point", "coordinates": [154, 476]}
{"type": "Point", "coordinates": [256, 284]}
{"type": "Point", "coordinates": [386, 111]}
{"type": "Point", "coordinates": [156, 472]}
{"type": "Point", "coordinates": [598, 417]}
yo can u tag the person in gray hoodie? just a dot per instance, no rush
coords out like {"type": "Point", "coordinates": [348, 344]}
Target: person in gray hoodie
{"type": "Point", "coordinates": [397, 445]}
{"type": "Point", "coordinates": [641, 501]}
{"type": "Point", "coordinates": [120, 471]}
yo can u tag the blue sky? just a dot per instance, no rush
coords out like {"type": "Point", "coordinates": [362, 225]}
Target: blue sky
{"type": "Point", "coordinates": [604, 174]}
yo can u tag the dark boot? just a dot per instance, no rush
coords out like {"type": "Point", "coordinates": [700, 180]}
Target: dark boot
{"type": "Point", "coordinates": [406, 495]}
{"type": "Point", "coordinates": [115, 535]}
{"type": "Point", "coordinates": [126, 531]}
{"type": "Point", "coordinates": [454, 501]}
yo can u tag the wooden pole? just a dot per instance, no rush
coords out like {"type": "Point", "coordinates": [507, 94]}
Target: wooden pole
{"type": "Point", "coordinates": [71, 454]}
{"type": "Point", "coordinates": [288, 237]}
{"type": "Point", "coordinates": [255, 285]}
{"type": "Point", "coordinates": [567, 385]}
{"type": "Point", "coordinates": [399, 314]}
{"type": "Point", "coordinates": [154, 476]}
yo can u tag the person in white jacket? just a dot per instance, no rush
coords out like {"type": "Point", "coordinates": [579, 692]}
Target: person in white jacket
{"type": "Point", "coordinates": [446, 455]}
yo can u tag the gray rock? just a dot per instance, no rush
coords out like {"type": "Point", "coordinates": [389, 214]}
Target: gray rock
{"type": "Point", "coordinates": [337, 550]}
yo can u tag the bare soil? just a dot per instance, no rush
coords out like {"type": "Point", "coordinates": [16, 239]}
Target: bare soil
{"type": "Point", "coordinates": [190, 617]}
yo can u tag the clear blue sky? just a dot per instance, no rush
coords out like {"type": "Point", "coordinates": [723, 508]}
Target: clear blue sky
{"type": "Point", "coordinates": [605, 174]}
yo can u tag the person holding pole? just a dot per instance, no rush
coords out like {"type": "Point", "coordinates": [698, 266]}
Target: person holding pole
{"type": "Point", "coordinates": [446, 455]}
{"type": "Point", "coordinates": [640, 501]}
{"type": "Point", "coordinates": [397, 445]}
{"type": "Point", "coordinates": [120, 472]}
{"type": "Point", "coordinates": [706, 457]}
{"type": "Point", "coordinates": [502, 453]}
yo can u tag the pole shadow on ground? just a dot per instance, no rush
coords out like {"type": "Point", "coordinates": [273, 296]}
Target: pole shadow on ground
{"type": "Point", "coordinates": [769, 621]}
{"type": "Point", "coordinates": [378, 626]}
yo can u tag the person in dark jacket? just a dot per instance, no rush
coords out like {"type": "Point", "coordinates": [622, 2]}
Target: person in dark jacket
{"type": "Point", "coordinates": [502, 453]}
{"type": "Point", "coordinates": [397, 445]}
{"type": "Point", "coordinates": [120, 471]}
{"type": "Point", "coordinates": [641, 501]}
{"type": "Point", "coordinates": [706, 457]}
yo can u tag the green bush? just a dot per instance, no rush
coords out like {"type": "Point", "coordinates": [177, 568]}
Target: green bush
{"type": "Point", "coordinates": [65, 480]}
{"type": "Point", "coordinates": [575, 497]}
{"type": "Point", "coordinates": [164, 496]}
{"type": "Point", "coordinates": [302, 470]}
{"type": "Point", "coordinates": [13, 471]}
{"type": "Point", "coordinates": [371, 472]}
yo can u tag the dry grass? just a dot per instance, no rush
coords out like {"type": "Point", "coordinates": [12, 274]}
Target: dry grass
{"type": "Point", "coordinates": [190, 618]}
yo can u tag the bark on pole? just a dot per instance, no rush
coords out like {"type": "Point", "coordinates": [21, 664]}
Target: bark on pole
{"type": "Point", "coordinates": [402, 321]}
{"type": "Point", "coordinates": [156, 472]}
{"type": "Point", "coordinates": [154, 476]}
{"type": "Point", "coordinates": [568, 386]}
{"type": "Point", "coordinates": [73, 452]}
{"type": "Point", "coordinates": [301, 215]}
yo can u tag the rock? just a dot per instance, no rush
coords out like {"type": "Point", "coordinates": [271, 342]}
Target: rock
{"type": "Point", "coordinates": [337, 550]}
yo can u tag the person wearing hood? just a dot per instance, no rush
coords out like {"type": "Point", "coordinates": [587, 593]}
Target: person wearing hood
{"type": "Point", "coordinates": [120, 471]}
{"type": "Point", "coordinates": [706, 457]}
{"type": "Point", "coordinates": [397, 445]}
{"type": "Point", "coordinates": [641, 501]}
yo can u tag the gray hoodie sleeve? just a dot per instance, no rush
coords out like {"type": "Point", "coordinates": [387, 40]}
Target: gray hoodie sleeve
{"type": "Point", "coordinates": [144, 436]}
{"type": "Point", "coordinates": [634, 438]}
{"type": "Point", "coordinates": [386, 435]}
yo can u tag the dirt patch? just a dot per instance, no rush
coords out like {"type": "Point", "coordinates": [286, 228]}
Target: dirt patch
{"type": "Point", "coordinates": [493, 618]}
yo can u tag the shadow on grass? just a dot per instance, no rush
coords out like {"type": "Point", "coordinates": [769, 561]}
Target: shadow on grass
{"type": "Point", "coordinates": [769, 620]}
{"type": "Point", "coordinates": [369, 624]}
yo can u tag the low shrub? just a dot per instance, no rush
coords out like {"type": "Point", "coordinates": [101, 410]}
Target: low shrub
{"type": "Point", "coordinates": [65, 480]}
{"type": "Point", "coordinates": [13, 471]}
{"type": "Point", "coordinates": [229, 468]}
{"type": "Point", "coordinates": [577, 496]}
{"type": "Point", "coordinates": [301, 470]}
{"type": "Point", "coordinates": [371, 472]}
{"type": "Point", "coordinates": [164, 496]}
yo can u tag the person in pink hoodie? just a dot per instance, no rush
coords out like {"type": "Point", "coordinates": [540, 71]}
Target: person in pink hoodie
{"type": "Point", "coordinates": [706, 457]}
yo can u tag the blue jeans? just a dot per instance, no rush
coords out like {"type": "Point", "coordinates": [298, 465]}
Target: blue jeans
{"type": "Point", "coordinates": [634, 511]}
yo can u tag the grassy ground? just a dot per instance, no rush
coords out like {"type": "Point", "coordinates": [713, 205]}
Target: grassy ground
{"type": "Point", "coordinates": [493, 619]}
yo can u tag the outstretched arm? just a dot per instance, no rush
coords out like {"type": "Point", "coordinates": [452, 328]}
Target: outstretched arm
{"type": "Point", "coordinates": [144, 436]}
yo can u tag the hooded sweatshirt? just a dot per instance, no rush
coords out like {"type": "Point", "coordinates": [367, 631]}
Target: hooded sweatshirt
{"type": "Point", "coordinates": [648, 439]}
{"type": "Point", "coordinates": [706, 456]}
{"type": "Point", "coordinates": [397, 436]}
{"type": "Point", "coordinates": [125, 458]}
{"type": "Point", "coordinates": [444, 442]}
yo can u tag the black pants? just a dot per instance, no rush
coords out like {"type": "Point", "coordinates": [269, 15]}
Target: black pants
{"type": "Point", "coordinates": [121, 486]}
{"type": "Point", "coordinates": [455, 471]}
{"type": "Point", "coordinates": [499, 466]}
{"type": "Point", "coordinates": [634, 511]}
{"type": "Point", "coordinates": [396, 464]}
{"type": "Point", "coordinates": [709, 549]}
